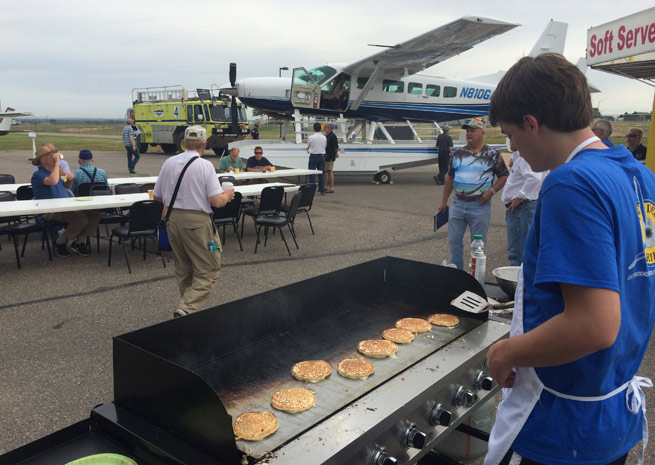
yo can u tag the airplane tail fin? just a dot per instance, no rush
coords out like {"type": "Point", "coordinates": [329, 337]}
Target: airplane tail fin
{"type": "Point", "coordinates": [552, 39]}
{"type": "Point", "coordinates": [582, 66]}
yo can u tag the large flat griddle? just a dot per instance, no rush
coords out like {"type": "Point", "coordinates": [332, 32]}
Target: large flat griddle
{"type": "Point", "coordinates": [192, 376]}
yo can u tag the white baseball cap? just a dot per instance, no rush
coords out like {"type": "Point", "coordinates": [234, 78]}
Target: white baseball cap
{"type": "Point", "coordinates": [195, 133]}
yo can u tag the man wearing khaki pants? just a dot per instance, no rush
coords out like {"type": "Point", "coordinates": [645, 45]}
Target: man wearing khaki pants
{"type": "Point", "coordinates": [191, 230]}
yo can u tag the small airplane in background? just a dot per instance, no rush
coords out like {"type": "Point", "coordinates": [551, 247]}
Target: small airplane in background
{"type": "Point", "coordinates": [387, 86]}
{"type": "Point", "coordinates": [7, 117]}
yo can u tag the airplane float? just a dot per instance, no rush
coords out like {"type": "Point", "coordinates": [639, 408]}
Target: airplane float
{"type": "Point", "coordinates": [384, 87]}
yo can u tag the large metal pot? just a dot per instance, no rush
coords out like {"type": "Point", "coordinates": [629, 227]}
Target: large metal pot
{"type": "Point", "coordinates": [507, 278]}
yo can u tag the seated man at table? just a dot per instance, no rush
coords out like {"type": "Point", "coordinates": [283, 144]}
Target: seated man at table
{"type": "Point", "coordinates": [231, 163]}
{"type": "Point", "coordinates": [258, 162]}
{"type": "Point", "coordinates": [47, 184]}
{"type": "Point", "coordinates": [87, 172]}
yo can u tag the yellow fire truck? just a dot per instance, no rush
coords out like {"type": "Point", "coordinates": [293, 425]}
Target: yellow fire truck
{"type": "Point", "coordinates": [163, 113]}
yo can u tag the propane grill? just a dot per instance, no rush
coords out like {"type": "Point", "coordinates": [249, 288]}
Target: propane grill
{"type": "Point", "coordinates": [178, 385]}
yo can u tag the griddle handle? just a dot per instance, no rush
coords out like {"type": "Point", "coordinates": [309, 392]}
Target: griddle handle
{"type": "Point", "coordinates": [472, 431]}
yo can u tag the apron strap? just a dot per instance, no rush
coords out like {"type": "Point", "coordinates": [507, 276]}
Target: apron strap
{"type": "Point", "coordinates": [635, 400]}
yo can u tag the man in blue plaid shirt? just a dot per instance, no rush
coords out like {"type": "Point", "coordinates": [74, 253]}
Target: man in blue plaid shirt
{"type": "Point", "coordinates": [130, 134]}
{"type": "Point", "coordinates": [87, 172]}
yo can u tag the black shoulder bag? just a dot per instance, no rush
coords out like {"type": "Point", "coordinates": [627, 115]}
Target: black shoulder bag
{"type": "Point", "coordinates": [161, 230]}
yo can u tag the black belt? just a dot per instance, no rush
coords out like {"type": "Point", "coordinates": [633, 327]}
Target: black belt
{"type": "Point", "coordinates": [468, 198]}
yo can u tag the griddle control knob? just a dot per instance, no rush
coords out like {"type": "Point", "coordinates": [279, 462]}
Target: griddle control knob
{"type": "Point", "coordinates": [415, 438]}
{"type": "Point", "coordinates": [484, 381]}
{"type": "Point", "coordinates": [439, 416]}
{"type": "Point", "coordinates": [464, 397]}
{"type": "Point", "coordinates": [382, 457]}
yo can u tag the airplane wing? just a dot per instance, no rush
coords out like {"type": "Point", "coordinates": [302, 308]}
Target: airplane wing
{"type": "Point", "coordinates": [14, 114]}
{"type": "Point", "coordinates": [430, 48]}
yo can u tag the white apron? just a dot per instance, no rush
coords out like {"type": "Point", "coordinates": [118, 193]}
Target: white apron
{"type": "Point", "coordinates": [518, 401]}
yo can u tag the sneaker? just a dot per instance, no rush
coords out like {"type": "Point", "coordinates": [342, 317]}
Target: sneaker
{"type": "Point", "coordinates": [132, 172]}
{"type": "Point", "coordinates": [437, 180]}
{"type": "Point", "coordinates": [179, 312]}
{"type": "Point", "coordinates": [62, 251]}
{"type": "Point", "coordinates": [81, 249]}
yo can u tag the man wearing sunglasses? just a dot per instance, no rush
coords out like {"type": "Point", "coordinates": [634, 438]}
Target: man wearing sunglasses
{"type": "Point", "coordinates": [258, 162]}
{"type": "Point", "coordinates": [633, 143]}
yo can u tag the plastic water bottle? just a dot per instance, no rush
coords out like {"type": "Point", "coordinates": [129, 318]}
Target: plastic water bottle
{"type": "Point", "coordinates": [478, 258]}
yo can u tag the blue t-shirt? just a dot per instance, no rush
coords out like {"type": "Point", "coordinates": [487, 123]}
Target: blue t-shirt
{"type": "Point", "coordinates": [254, 163]}
{"type": "Point", "coordinates": [41, 191]}
{"type": "Point", "coordinates": [588, 231]}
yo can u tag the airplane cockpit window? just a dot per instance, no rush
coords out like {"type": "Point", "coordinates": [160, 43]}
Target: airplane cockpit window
{"type": "Point", "coordinates": [320, 75]}
{"type": "Point", "coordinates": [361, 81]}
{"type": "Point", "coordinates": [389, 85]}
{"type": "Point", "coordinates": [415, 88]}
{"type": "Point", "coordinates": [449, 92]}
{"type": "Point", "coordinates": [432, 91]}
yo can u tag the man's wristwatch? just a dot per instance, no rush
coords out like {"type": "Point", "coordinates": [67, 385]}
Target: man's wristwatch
{"type": "Point", "coordinates": [493, 191]}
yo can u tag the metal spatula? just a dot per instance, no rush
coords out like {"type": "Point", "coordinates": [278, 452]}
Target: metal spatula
{"type": "Point", "coordinates": [473, 303]}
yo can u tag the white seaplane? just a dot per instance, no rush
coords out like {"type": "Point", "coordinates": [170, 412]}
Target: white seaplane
{"type": "Point", "coordinates": [387, 86]}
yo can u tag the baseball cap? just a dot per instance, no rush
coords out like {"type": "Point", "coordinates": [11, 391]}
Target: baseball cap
{"type": "Point", "coordinates": [474, 124]}
{"type": "Point", "coordinates": [85, 155]}
{"type": "Point", "coordinates": [195, 133]}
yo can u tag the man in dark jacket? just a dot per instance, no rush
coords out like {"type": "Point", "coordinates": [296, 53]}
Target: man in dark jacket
{"type": "Point", "coordinates": [331, 154]}
{"type": "Point", "coordinates": [445, 148]}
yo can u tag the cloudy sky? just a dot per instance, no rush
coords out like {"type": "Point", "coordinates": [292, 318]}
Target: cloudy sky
{"type": "Point", "coordinates": [83, 58]}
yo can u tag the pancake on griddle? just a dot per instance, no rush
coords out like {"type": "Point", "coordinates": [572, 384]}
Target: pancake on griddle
{"type": "Point", "coordinates": [377, 348]}
{"type": "Point", "coordinates": [416, 325]}
{"type": "Point", "coordinates": [398, 335]}
{"type": "Point", "coordinates": [444, 319]}
{"type": "Point", "coordinates": [355, 368]}
{"type": "Point", "coordinates": [255, 426]}
{"type": "Point", "coordinates": [293, 400]}
{"type": "Point", "coordinates": [311, 370]}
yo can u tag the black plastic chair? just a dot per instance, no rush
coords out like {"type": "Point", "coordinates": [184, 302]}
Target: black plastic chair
{"type": "Point", "coordinates": [143, 220]}
{"type": "Point", "coordinates": [109, 215]}
{"type": "Point", "coordinates": [229, 214]}
{"type": "Point", "coordinates": [24, 193]}
{"type": "Point", "coordinates": [7, 179]}
{"type": "Point", "coordinates": [227, 178]}
{"type": "Point", "coordinates": [269, 204]}
{"type": "Point", "coordinates": [84, 189]}
{"type": "Point", "coordinates": [280, 221]}
{"type": "Point", "coordinates": [126, 188]}
{"type": "Point", "coordinates": [22, 229]}
{"type": "Point", "coordinates": [308, 191]}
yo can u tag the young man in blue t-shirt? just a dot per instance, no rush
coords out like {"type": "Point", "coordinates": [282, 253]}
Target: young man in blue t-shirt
{"type": "Point", "coordinates": [585, 302]}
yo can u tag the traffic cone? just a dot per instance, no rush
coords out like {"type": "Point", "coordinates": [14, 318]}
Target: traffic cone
{"type": "Point", "coordinates": [159, 148]}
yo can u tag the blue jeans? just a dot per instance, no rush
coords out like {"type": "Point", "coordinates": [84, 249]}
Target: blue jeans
{"type": "Point", "coordinates": [518, 224]}
{"type": "Point", "coordinates": [317, 162]}
{"type": "Point", "coordinates": [463, 214]}
{"type": "Point", "coordinates": [131, 163]}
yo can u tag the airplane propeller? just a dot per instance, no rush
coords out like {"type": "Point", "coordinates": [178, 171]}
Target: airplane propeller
{"type": "Point", "coordinates": [234, 111]}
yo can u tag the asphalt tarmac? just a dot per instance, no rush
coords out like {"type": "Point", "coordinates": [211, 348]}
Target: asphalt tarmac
{"type": "Point", "coordinates": [57, 319]}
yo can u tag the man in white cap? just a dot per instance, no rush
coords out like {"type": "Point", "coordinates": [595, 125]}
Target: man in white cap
{"type": "Point", "coordinates": [191, 230]}
{"type": "Point", "coordinates": [471, 175]}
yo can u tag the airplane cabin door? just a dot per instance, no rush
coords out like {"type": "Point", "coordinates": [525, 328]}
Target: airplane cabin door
{"type": "Point", "coordinates": [305, 91]}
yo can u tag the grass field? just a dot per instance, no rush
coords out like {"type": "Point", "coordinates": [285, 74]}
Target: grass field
{"type": "Point", "coordinates": [74, 137]}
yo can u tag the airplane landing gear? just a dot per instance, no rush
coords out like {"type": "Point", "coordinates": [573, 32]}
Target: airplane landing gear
{"type": "Point", "coordinates": [382, 177]}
